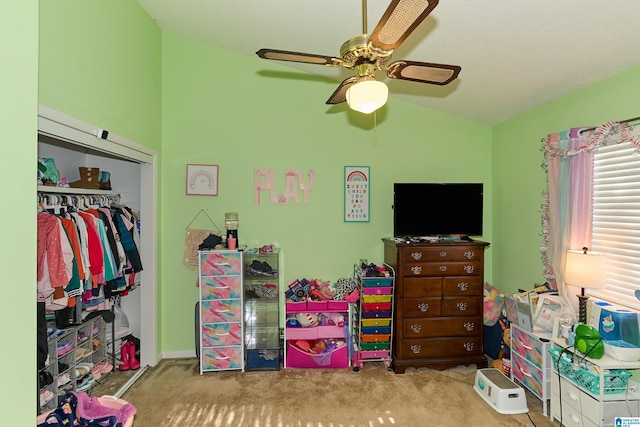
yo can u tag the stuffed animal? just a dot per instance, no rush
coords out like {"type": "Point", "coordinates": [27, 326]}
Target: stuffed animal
{"type": "Point", "coordinates": [503, 361]}
{"type": "Point", "coordinates": [307, 320]}
{"type": "Point", "coordinates": [336, 319]}
{"type": "Point", "coordinates": [493, 305]}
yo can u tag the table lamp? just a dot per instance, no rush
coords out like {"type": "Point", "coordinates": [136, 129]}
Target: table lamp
{"type": "Point", "coordinates": [585, 270]}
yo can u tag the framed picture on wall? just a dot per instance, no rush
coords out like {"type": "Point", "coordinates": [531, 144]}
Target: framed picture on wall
{"type": "Point", "coordinates": [356, 193]}
{"type": "Point", "coordinates": [202, 180]}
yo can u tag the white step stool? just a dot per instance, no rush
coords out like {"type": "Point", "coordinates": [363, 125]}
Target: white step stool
{"type": "Point", "coordinates": [500, 392]}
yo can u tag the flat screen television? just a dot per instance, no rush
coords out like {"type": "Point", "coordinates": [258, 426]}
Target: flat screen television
{"type": "Point", "coordinates": [437, 209]}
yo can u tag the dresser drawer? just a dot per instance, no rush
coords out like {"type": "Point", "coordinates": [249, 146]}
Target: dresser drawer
{"type": "Point", "coordinates": [220, 263]}
{"type": "Point", "coordinates": [528, 347]}
{"type": "Point", "coordinates": [442, 327]}
{"type": "Point", "coordinates": [467, 268]}
{"type": "Point", "coordinates": [221, 334]}
{"type": "Point", "coordinates": [421, 307]}
{"type": "Point", "coordinates": [221, 311]}
{"type": "Point", "coordinates": [461, 306]}
{"type": "Point", "coordinates": [431, 254]}
{"type": "Point", "coordinates": [528, 374]}
{"type": "Point", "coordinates": [575, 404]}
{"type": "Point", "coordinates": [441, 347]}
{"type": "Point", "coordinates": [216, 287]}
{"type": "Point", "coordinates": [463, 286]}
{"type": "Point", "coordinates": [416, 287]}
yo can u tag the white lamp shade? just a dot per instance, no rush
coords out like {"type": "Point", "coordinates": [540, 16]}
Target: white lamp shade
{"type": "Point", "coordinates": [367, 96]}
{"type": "Point", "coordinates": [585, 270]}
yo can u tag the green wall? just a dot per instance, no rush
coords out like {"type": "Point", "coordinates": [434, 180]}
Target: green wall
{"type": "Point", "coordinates": [518, 178]}
{"type": "Point", "coordinates": [101, 62]}
{"type": "Point", "coordinates": [18, 109]}
{"type": "Point", "coordinates": [232, 110]}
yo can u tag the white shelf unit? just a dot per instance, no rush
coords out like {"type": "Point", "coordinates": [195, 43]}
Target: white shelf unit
{"type": "Point", "coordinates": [574, 405]}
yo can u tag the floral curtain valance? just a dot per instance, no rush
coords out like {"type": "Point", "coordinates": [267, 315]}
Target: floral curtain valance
{"type": "Point", "coordinates": [567, 206]}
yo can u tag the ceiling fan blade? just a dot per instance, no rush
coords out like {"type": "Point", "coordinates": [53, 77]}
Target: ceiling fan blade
{"type": "Point", "coordinates": [307, 58]}
{"type": "Point", "coordinates": [398, 21]}
{"type": "Point", "coordinates": [340, 94]}
{"type": "Point", "coordinates": [423, 72]}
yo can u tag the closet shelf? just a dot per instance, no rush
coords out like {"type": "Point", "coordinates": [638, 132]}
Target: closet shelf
{"type": "Point", "coordinates": [72, 190]}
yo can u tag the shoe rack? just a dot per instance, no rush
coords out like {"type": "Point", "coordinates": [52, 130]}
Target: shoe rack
{"type": "Point", "coordinates": [78, 358]}
{"type": "Point", "coordinates": [262, 309]}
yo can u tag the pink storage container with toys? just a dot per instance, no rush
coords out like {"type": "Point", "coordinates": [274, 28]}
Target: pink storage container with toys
{"type": "Point", "coordinates": [337, 358]}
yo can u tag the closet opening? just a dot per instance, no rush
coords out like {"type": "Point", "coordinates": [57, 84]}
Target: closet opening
{"type": "Point", "coordinates": [132, 169]}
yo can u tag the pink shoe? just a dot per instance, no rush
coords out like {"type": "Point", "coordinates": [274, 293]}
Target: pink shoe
{"type": "Point", "coordinates": [133, 362]}
{"type": "Point", "coordinates": [124, 355]}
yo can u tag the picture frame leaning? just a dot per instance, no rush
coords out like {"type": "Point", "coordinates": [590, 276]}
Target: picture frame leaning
{"type": "Point", "coordinates": [202, 180]}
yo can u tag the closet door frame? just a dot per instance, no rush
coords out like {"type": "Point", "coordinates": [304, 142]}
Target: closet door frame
{"type": "Point", "coordinates": [60, 126]}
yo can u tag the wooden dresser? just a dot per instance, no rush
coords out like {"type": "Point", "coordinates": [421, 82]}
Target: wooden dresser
{"type": "Point", "coordinates": [438, 303]}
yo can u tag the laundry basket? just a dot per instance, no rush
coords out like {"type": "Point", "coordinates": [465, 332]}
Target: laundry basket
{"type": "Point", "coordinates": [106, 401]}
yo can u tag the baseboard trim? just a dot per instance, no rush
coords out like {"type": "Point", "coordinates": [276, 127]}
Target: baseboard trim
{"type": "Point", "coordinates": [185, 354]}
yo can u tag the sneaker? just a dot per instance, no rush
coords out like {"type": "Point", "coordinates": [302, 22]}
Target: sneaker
{"type": "Point", "coordinates": [87, 383]}
{"type": "Point", "coordinates": [259, 268]}
{"type": "Point", "coordinates": [46, 396]}
{"type": "Point", "coordinates": [63, 379]}
{"type": "Point", "coordinates": [64, 348]}
{"type": "Point", "coordinates": [45, 378]}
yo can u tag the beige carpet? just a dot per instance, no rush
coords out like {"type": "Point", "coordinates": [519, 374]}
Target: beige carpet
{"type": "Point", "coordinates": [173, 393]}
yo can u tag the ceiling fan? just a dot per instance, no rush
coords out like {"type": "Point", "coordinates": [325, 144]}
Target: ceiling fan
{"type": "Point", "coordinates": [366, 54]}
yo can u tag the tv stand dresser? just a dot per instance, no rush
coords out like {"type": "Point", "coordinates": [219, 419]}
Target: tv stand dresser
{"type": "Point", "coordinates": [438, 301]}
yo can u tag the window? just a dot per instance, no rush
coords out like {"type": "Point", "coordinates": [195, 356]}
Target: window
{"type": "Point", "coordinates": [616, 221]}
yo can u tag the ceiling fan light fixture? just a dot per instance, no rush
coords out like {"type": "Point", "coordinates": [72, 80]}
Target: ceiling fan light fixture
{"type": "Point", "coordinates": [367, 96]}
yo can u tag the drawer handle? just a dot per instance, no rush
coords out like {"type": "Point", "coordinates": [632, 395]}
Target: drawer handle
{"type": "Point", "coordinates": [468, 346]}
{"type": "Point", "coordinates": [525, 373]}
{"type": "Point", "coordinates": [468, 269]}
{"type": "Point", "coordinates": [463, 286]}
{"type": "Point", "coordinates": [469, 326]}
{"type": "Point", "coordinates": [443, 254]}
{"type": "Point", "coordinates": [415, 348]}
{"type": "Point", "coordinates": [416, 255]}
{"type": "Point", "coordinates": [526, 346]}
{"type": "Point", "coordinates": [443, 268]}
{"type": "Point", "coordinates": [469, 255]}
{"type": "Point", "coordinates": [222, 358]}
{"type": "Point", "coordinates": [575, 419]}
{"type": "Point", "coordinates": [416, 328]}
{"type": "Point", "coordinates": [423, 307]}
{"type": "Point", "coordinates": [462, 306]}
{"type": "Point", "coordinates": [573, 396]}
{"type": "Point", "coordinates": [416, 270]}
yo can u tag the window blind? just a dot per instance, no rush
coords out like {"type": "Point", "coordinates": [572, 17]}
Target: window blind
{"type": "Point", "coordinates": [616, 221]}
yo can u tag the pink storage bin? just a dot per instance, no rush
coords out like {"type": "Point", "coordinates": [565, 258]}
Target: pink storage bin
{"type": "Point", "coordinates": [386, 290]}
{"type": "Point", "coordinates": [337, 306]}
{"type": "Point", "coordinates": [302, 333]}
{"type": "Point", "coordinates": [296, 306]}
{"type": "Point", "coordinates": [108, 401]}
{"type": "Point", "coordinates": [316, 306]}
{"type": "Point", "coordinates": [330, 331]}
{"type": "Point", "coordinates": [296, 358]}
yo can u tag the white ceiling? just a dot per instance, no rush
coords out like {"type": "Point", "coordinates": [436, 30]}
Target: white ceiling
{"type": "Point", "coordinates": [515, 55]}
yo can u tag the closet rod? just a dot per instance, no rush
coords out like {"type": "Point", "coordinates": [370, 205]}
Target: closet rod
{"type": "Point", "coordinates": [621, 121]}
